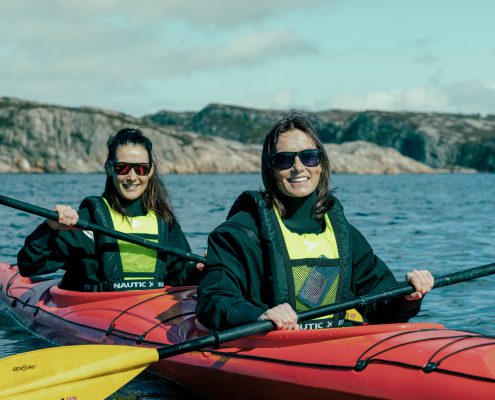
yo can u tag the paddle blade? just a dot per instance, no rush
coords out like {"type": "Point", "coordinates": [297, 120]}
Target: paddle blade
{"type": "Point", "coordinates": [72, 372]}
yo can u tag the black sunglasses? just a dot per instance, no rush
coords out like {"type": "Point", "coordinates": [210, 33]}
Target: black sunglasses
{"type": "Point", "coordinates": [286, 159]}
{"type": "Point", "coordinates": [123, 168]}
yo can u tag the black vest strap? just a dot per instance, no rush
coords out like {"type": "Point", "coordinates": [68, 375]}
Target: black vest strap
{"type": "Point", "coordinates": [107, 249]}
{"type": "Point", "coordinates": [343, 237]}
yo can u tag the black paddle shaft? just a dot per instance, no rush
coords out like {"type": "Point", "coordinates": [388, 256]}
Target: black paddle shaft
{"type": "Point", "coordinates": [53, 215]}
{"type": "Point", "coordinates": [215, 338]}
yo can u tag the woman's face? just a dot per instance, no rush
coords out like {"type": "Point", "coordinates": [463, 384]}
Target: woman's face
{"type": "Point", "coordinates": [131, 186]}
{"type": "Point", "coordinates": [299, 180]}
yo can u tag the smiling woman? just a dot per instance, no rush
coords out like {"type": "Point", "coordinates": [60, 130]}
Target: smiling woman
{"type": "Point", "coordinates": [290, 248]}
{"type": "Point", "coordinates": [134, 201]}
{"type": "Point", "coordinates": [130, 178]}
{"type": "Point", "coordinates": [297, 163]}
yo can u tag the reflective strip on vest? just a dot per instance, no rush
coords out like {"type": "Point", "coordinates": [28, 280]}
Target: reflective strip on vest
{"type": "Point", "coordinates": [138, 262]}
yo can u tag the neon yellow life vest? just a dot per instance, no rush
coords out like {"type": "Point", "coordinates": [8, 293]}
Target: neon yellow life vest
{"type": "Point", "coordinates": [136, 259]}
{"type": "Point", "coordinates": [315, 284]}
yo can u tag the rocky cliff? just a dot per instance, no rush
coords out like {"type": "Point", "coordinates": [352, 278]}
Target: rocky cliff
{"type": "Point", "coordinates": [44, 138]}
{"type": "Point", "coordinates": [444, 141]}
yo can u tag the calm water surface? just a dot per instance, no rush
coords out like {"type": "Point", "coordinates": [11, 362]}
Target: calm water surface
{"type": "Point", "coordinates": [441, 222]}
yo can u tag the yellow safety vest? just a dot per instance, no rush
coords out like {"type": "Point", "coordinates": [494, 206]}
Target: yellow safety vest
{"type": "Point", "coordinates": [315, 284]}
{"type": "Point", "coordinates": [136, 259]}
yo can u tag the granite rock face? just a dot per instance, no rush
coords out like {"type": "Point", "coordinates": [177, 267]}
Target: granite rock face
{"type": "Point", "coordinates": [41, 138]}
{"type": "Point", "coordinates": [44, 138]}
{"type": "Point", "coordinates": [354, 157]}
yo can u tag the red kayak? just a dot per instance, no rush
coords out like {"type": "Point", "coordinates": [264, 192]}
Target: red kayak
{"type": "Point", "coordinates": [391, 361]}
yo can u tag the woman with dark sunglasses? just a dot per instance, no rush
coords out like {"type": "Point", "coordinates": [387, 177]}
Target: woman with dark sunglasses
{"type": "Point", "coordinates": [134, 201]}
{"type": "Point", "coordinates": [290, 248]}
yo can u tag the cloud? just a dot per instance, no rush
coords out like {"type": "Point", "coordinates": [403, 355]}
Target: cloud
{"type": "Point", "coordinates": [98, 53]}
{"type": "Point", "coordinates": [470, 96]}
{"type": "Point", "coordinates": [420, 47]}
{"type": "Point", "coordinates": [130, 56]}
{"type": "Point", "coordinates": [219, 13]}
{"type": "Point", "coordinates": [417, 99]}
{"type": "Point", "coordinates": [426, 58]}
{"type": "Point", "coordinates": [107, 41]}
{"type": "Point", "coordinates": [282, 100]}
{"type": "Point", "coordinates": [130, 59]}
{"type": "Point", "coordinates": [250, 49]}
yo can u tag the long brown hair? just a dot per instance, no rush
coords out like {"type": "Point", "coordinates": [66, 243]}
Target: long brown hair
{"type": "Point", "coordinates": [155, 197]}
{"type": "Point", "coordinates": [295, 120]}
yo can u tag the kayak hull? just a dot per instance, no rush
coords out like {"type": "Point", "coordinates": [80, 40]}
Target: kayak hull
{"type": "Point", "coordinates": [393, 361]}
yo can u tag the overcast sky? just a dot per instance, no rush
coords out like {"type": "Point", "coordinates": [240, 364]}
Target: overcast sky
{"type": "Point", "coordinates": [143, 56]}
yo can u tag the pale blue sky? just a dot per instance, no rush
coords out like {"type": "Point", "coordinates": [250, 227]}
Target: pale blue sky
{"type": "Point", "coordinates": [142, 56]}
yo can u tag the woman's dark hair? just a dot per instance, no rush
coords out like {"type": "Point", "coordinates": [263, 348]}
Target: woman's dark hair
{"type": "Point", "coordinates": [290, 121]}
{"type": "Point", "coordinates": [155, 197]}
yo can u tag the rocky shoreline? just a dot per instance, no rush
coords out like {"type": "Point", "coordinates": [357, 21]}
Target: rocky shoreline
{"type": "Point", "coordinates": [39, 138]}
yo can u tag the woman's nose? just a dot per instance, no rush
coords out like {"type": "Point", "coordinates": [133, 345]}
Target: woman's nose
{"type": "Point", "coordinates": [132, 173]}
{"type": "Point", "coordinates": [298, 165]}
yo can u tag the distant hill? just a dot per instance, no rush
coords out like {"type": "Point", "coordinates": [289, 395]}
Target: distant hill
{"type": "Point", "coordinates": [245, 125]}
{"type": "Point", "coordinates": [37, 137]}
{"type": "Point", "coordinates": [439, 140]}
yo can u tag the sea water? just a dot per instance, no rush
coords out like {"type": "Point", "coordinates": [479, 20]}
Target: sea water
{"type": "Point", "coordinates": [444, 223]}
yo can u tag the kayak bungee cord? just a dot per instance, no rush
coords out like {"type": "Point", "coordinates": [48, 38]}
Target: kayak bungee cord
{"type": "Point", "coordinates": [110, 331]}
{"type": "Point", "coordinates": [359, 367]}
{"type": "Point", "coordinates": [125, 311]}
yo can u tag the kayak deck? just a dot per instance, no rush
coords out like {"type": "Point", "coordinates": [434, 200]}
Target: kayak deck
{"type": "Point", "coordinates": [369, 361]}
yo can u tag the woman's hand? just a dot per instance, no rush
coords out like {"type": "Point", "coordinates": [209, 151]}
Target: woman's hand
{"type": "Point", "coordinates": [67, 218]}
{"type": "Point", "coordinates": [422, 281]}
{"type": "Point", "coordinates": [200, 265]}
{"type": "Point", "coordinates": [282, 315]}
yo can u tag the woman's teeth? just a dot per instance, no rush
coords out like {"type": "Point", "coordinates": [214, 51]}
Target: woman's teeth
{"type": "Point", "coordinates": [295, 180]}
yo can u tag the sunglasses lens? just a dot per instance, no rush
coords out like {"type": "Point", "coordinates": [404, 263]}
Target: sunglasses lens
{"type": "Point", "coordinates": [122, 168]}
{"type": "Point", "coordinates": [286, 159]}
{"type": "Point", "coordinates": [283, 160]}
{"type": "Point", "coordinates": [310, 158]}
{"type": "Point", "coordinates": [142, 169]}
